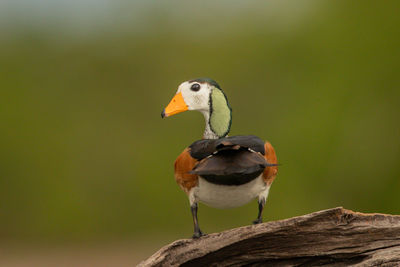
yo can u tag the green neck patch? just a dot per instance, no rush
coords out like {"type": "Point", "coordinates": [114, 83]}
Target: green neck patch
{"type": "Point", "coordinates": [220, 113]}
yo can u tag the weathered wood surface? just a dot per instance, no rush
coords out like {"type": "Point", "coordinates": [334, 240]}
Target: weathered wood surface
{"type": "Point", "coordinates": [334, 237]}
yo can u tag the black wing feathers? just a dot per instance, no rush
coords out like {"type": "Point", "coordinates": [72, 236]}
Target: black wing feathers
{"type": "Point", "coordinates": [206, 147]}
{"type": "Point", "coordinates": [228, 161]}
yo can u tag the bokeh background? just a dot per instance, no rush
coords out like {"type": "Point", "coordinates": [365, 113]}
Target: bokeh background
{"type": "Point", "coordinates": [86, 163]}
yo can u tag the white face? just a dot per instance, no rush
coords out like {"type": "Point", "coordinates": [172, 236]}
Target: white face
{"type": "Point", "coordinates": [196, 95]}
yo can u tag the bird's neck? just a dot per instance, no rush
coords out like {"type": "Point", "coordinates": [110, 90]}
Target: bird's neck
{"type": "Point", "coordinates": [218, 116]}
{"type": "Point", "coordinates": [216, 128]}
{"type": "Point", "coordinates": [208, 132]}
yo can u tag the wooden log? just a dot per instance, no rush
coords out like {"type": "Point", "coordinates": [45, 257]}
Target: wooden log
{"type": "Point", "coordinates": [334, 237]}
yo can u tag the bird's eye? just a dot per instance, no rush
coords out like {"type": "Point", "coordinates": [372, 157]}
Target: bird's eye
{"type": "Point", "coordinates": [195, 87]}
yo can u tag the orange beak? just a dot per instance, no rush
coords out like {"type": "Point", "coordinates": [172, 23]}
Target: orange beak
{"type": "Point", "coordinates": [177, 105]}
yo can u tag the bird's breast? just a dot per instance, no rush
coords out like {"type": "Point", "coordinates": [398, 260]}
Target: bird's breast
{"type": "Point", "coordinates": [228, 196]}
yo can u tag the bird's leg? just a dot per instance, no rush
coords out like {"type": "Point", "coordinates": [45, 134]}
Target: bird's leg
{"type": "Point", "coordinates": [197, 232]}
{"type": "Point", "coordinates": [261, 204]}
{"type": "Point", "coordinates": [262, 198]}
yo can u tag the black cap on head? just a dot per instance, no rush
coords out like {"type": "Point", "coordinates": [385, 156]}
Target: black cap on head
{"type": "Point", "coordinates": [206, 80]}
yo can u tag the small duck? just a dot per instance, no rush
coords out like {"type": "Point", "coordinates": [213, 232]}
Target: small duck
{"type": "Point", "coordinates": [220, 171]}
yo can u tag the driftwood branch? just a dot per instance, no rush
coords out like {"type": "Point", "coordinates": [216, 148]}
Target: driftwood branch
{"type": "Point", "coordinates": [334, 237]}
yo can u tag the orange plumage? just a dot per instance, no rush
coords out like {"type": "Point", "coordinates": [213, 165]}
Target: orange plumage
{"type": "Point", "coordinates": [270, 173]}
{"type": "Point", "coordinates": [183, 165]}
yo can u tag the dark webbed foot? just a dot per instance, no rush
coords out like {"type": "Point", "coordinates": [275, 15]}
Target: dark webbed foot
{"type": "Point", "coordinates": [258, 221]}
{"type": "Point", "coordinates": [198, 234]}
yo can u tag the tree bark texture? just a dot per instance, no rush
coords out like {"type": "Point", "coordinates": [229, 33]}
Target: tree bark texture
{"type": "Point", "coordinates": [334, 237]}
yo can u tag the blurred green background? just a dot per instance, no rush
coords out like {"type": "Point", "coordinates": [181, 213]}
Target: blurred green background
{"type": "Point", "coordinates": [87, 162]}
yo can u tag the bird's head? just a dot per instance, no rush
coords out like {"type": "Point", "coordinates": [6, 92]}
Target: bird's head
{"type": "Point", "coordinates": [206, 96]}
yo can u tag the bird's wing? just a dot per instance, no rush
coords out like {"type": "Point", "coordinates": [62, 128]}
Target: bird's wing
{"type": "Point", "coordinates": [207, 147]}
{"type": "Point", "coordinates": [231, 167]}
{"type": "Point", "coordinates": [270, 172]}
{"type": "Point", "coordinates": [183, 165]}
{"type": "Point", "coordinates": [232, 160]}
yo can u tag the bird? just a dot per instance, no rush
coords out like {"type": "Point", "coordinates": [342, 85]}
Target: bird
{"type": "Point", "coordinates": [218, 170]}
